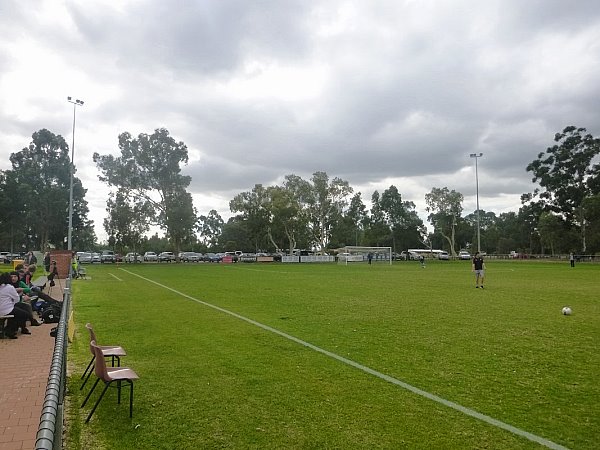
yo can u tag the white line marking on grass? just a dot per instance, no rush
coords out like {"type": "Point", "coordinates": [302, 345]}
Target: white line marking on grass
{"type": "Point", "coordinates": [113, 275]}
{"type": "Point", "coordinates": [468, 411]}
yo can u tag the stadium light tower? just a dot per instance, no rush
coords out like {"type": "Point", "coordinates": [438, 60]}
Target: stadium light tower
{"type": "Point", "coordinates": [76, 103]}
{"type": "Point", "coordinates": [477, 156]}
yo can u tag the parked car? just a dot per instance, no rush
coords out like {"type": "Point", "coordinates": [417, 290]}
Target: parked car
{"type": "Point", "coordinates": [96, 257]}
{"type": "Point", "coordinates": [84, 257]}
{"type": "Point", "coordinates": [133, 258]}
{"type": "Point", "coordinates": [464, 255]}
{"type": "Point", "coordinates": [166, 257]}
{"type": "Point", "coordinates": [118, 257]}
{"type": "Point", "coordinates": [7, 257]}
{"type": "Point", "coordinates": [108, 256]}
{"type": "Point", "coordinates": [150, 256]}
{"type": "Point", "coordinates": [189, 256]}
{"type": "Point", "coordinates": [444, 256]}
{"type": "Point", "coordinates": [213, 257]}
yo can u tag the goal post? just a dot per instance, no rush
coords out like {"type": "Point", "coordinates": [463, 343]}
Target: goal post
{"type": "Point", "coordinates": [355, 253]}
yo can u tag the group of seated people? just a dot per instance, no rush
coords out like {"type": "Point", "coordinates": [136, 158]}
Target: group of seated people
{"type": "Point", "coordinates": [17, 298]}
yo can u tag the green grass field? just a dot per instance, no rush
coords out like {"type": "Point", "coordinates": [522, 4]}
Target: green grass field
{"type": "Point", "coordinates": [210, 379]}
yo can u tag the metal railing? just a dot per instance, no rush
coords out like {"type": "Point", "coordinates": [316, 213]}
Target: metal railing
{"type": "Point", "coordinates": [50, 429]}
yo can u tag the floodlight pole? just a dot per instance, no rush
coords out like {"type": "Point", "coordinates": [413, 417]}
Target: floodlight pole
{"type": "Point", "coordinates": [76, 103]}
{"type": "Point", "coordinates": [477, 156]}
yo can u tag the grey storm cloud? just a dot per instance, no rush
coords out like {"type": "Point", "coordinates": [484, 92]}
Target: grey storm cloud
{"type": "Point", "coordinates": [376, 92]}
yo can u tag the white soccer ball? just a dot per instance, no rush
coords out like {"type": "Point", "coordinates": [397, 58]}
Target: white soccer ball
{"type": "Point", "coordinates": [566, 311]}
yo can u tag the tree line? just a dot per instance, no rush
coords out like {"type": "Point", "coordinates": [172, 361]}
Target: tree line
{"type": "Point", "coordinates": [560, 215]}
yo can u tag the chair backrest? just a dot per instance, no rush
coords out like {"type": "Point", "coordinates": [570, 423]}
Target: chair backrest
{"type": "Point", "coordinates": [100, 364]}
{"type": "Point", "coordinates": [92, 337]}
{"type": "Point", "coordinates": [91, 330]}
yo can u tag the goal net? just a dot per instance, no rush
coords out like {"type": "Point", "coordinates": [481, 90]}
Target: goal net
{"type": "Point", "coordinates": [357, 254]}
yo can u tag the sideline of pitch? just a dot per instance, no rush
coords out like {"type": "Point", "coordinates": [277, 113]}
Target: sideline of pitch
{"type": "Point", "coordinates": [457, 407]}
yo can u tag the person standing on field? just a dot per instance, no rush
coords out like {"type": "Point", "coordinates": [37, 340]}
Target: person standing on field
{"type": "Point", "coordinates": [572, 259]}
{"type": "Point", "coordinates": [479, 269]}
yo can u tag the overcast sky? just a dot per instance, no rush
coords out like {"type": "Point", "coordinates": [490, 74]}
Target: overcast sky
{"type": "Point", "coordinates": [376, 92]}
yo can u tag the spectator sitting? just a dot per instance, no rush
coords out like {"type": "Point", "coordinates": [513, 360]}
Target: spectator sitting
{"type": "Point", "coordinates": [24, 273]}
{"type": "Point", "coordinates": [24, 292]}
{"type": "Point", "coordinates": [33, 290]}
{"type": "Point", "coordinates": [8, 300]}
{"type": "Point", "coordinates": [29, 272]}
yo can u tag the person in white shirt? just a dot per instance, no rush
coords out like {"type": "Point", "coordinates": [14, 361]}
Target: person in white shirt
{"type": "Point", "coordinates": [9, 297]}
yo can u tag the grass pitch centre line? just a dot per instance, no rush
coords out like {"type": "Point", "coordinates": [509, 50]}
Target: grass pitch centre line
{"type": "Point", "coordinates": [467, 411]}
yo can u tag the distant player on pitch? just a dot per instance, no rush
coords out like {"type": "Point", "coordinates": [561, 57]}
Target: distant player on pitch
{"type": "Point", "coordinates": [479, 269]}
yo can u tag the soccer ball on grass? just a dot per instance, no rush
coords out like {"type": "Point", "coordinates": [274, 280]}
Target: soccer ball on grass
{"type": "Point", "coordinates": [566, 311]}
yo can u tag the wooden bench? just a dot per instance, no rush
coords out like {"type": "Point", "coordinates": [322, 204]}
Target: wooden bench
{"type": "Point", "coordinates": [3, 324]}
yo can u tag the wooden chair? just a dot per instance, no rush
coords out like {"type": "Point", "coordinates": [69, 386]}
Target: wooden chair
{"type": "Point", "coordinates": [108, 351]}
{"type": "Point", "coordinates": [110, 375]}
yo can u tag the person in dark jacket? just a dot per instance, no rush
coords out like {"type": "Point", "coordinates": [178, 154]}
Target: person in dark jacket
{"type": "Point", "coordinates": [25, 302]}
{"type": "Point", "coordinates": [47, 261]}
{"type": "Point", "coordinates": [30, 258]}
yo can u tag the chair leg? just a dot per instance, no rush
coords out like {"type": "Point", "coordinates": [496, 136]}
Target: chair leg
{"type": "Point", "coordinates": [119, 392]}
{"type": "Point", "coordinates": [97, 402]}
{"type": "Point", "coordinates": [86, 380]}
{"type": "Point", "coordinates": [89, 366]}
{"type": "Point", "coordinates": [90, 393]}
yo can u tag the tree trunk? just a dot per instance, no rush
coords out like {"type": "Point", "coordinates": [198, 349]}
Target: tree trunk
{"type": "Point", "coordinates": [270, 236]}
{"type": "Point", "coordinates": [582, 220]}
